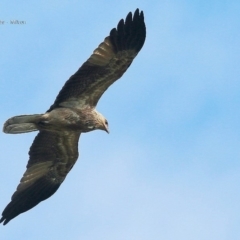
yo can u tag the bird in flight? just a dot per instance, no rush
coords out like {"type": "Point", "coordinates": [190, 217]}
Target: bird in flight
{"type": "Point", "coordinates": [54, 150]}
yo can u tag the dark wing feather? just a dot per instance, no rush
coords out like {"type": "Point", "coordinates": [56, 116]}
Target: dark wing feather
{"type": "Point", "coordinates": [52, 156]}
{"type": "Point", "coordinates": [107, 64]}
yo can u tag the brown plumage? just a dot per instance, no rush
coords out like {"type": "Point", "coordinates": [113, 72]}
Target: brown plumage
{"type": "Point", "coordinates": [55, 149]}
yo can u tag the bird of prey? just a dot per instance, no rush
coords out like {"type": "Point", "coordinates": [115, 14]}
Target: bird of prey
{"type": "Point", "coordinates": [54, 151]}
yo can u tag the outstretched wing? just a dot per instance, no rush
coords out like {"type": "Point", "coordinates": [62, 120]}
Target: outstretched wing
{"type": "Point", "coordinates": [107, 64]}
{"type": "Point", "coordinates": [52, 156]}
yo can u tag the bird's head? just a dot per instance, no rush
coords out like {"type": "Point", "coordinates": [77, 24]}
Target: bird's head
{"type": "Point", "coordinates": [102, 123]}
{"type": "Point", "coordinates": [95, 121]}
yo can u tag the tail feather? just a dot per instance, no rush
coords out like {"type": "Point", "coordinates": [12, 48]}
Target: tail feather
{"type": "Point", "coordinates": [22, 124]}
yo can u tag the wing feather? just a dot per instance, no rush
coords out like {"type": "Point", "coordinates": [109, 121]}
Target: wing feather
{"type": "Point", "coordinates": [107, 64]}
{"type": "Point", "coordinates": [52, 156]}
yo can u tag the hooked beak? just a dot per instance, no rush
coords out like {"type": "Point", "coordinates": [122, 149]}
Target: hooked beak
{"type": "Point", "coordinates": [106, 128]}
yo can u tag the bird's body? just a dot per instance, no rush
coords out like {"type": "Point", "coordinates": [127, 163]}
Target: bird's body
{"type": "Point", "coordinates": [58, 119]}
{"type": "Point", "coordinates": [55, 148]}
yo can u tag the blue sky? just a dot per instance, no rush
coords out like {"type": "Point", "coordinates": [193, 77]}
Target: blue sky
{"type": "Point", "coordinates": [169, 169]}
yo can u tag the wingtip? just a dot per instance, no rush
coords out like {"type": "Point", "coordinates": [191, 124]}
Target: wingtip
{"type": "Point", "coordinates": [136, 11]}
{"type": "Point", "coordinates": [6, 217]}
{"type": "Point", "coordinates": [129, 34]}
{"type": "Point", "coordinates": [4, 221]}
{"type": "Point", "coordinates": [135, 14]}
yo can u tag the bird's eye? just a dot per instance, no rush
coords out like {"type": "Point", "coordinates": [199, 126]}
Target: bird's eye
{"type": "Point", "coordinates": [106, 122]}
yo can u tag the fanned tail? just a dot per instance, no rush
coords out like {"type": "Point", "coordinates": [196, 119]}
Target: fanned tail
{"type": "Point", "coordinates": [22, 124]}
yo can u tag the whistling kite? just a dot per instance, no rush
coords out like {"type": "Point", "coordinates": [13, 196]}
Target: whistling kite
{"type": "Point", "coordinates": [55, 149]}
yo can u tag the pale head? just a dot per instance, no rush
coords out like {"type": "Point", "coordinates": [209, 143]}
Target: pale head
{"type": "Point", "coordinates": [95, 120]}
{"type": "Point", "coordinates": [102, 122]}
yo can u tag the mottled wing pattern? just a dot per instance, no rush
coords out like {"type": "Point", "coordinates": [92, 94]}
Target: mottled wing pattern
{"type": "Point", "coordinates": [52, 156]}
{"type": "Point", "coordinates": [107, 64]}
